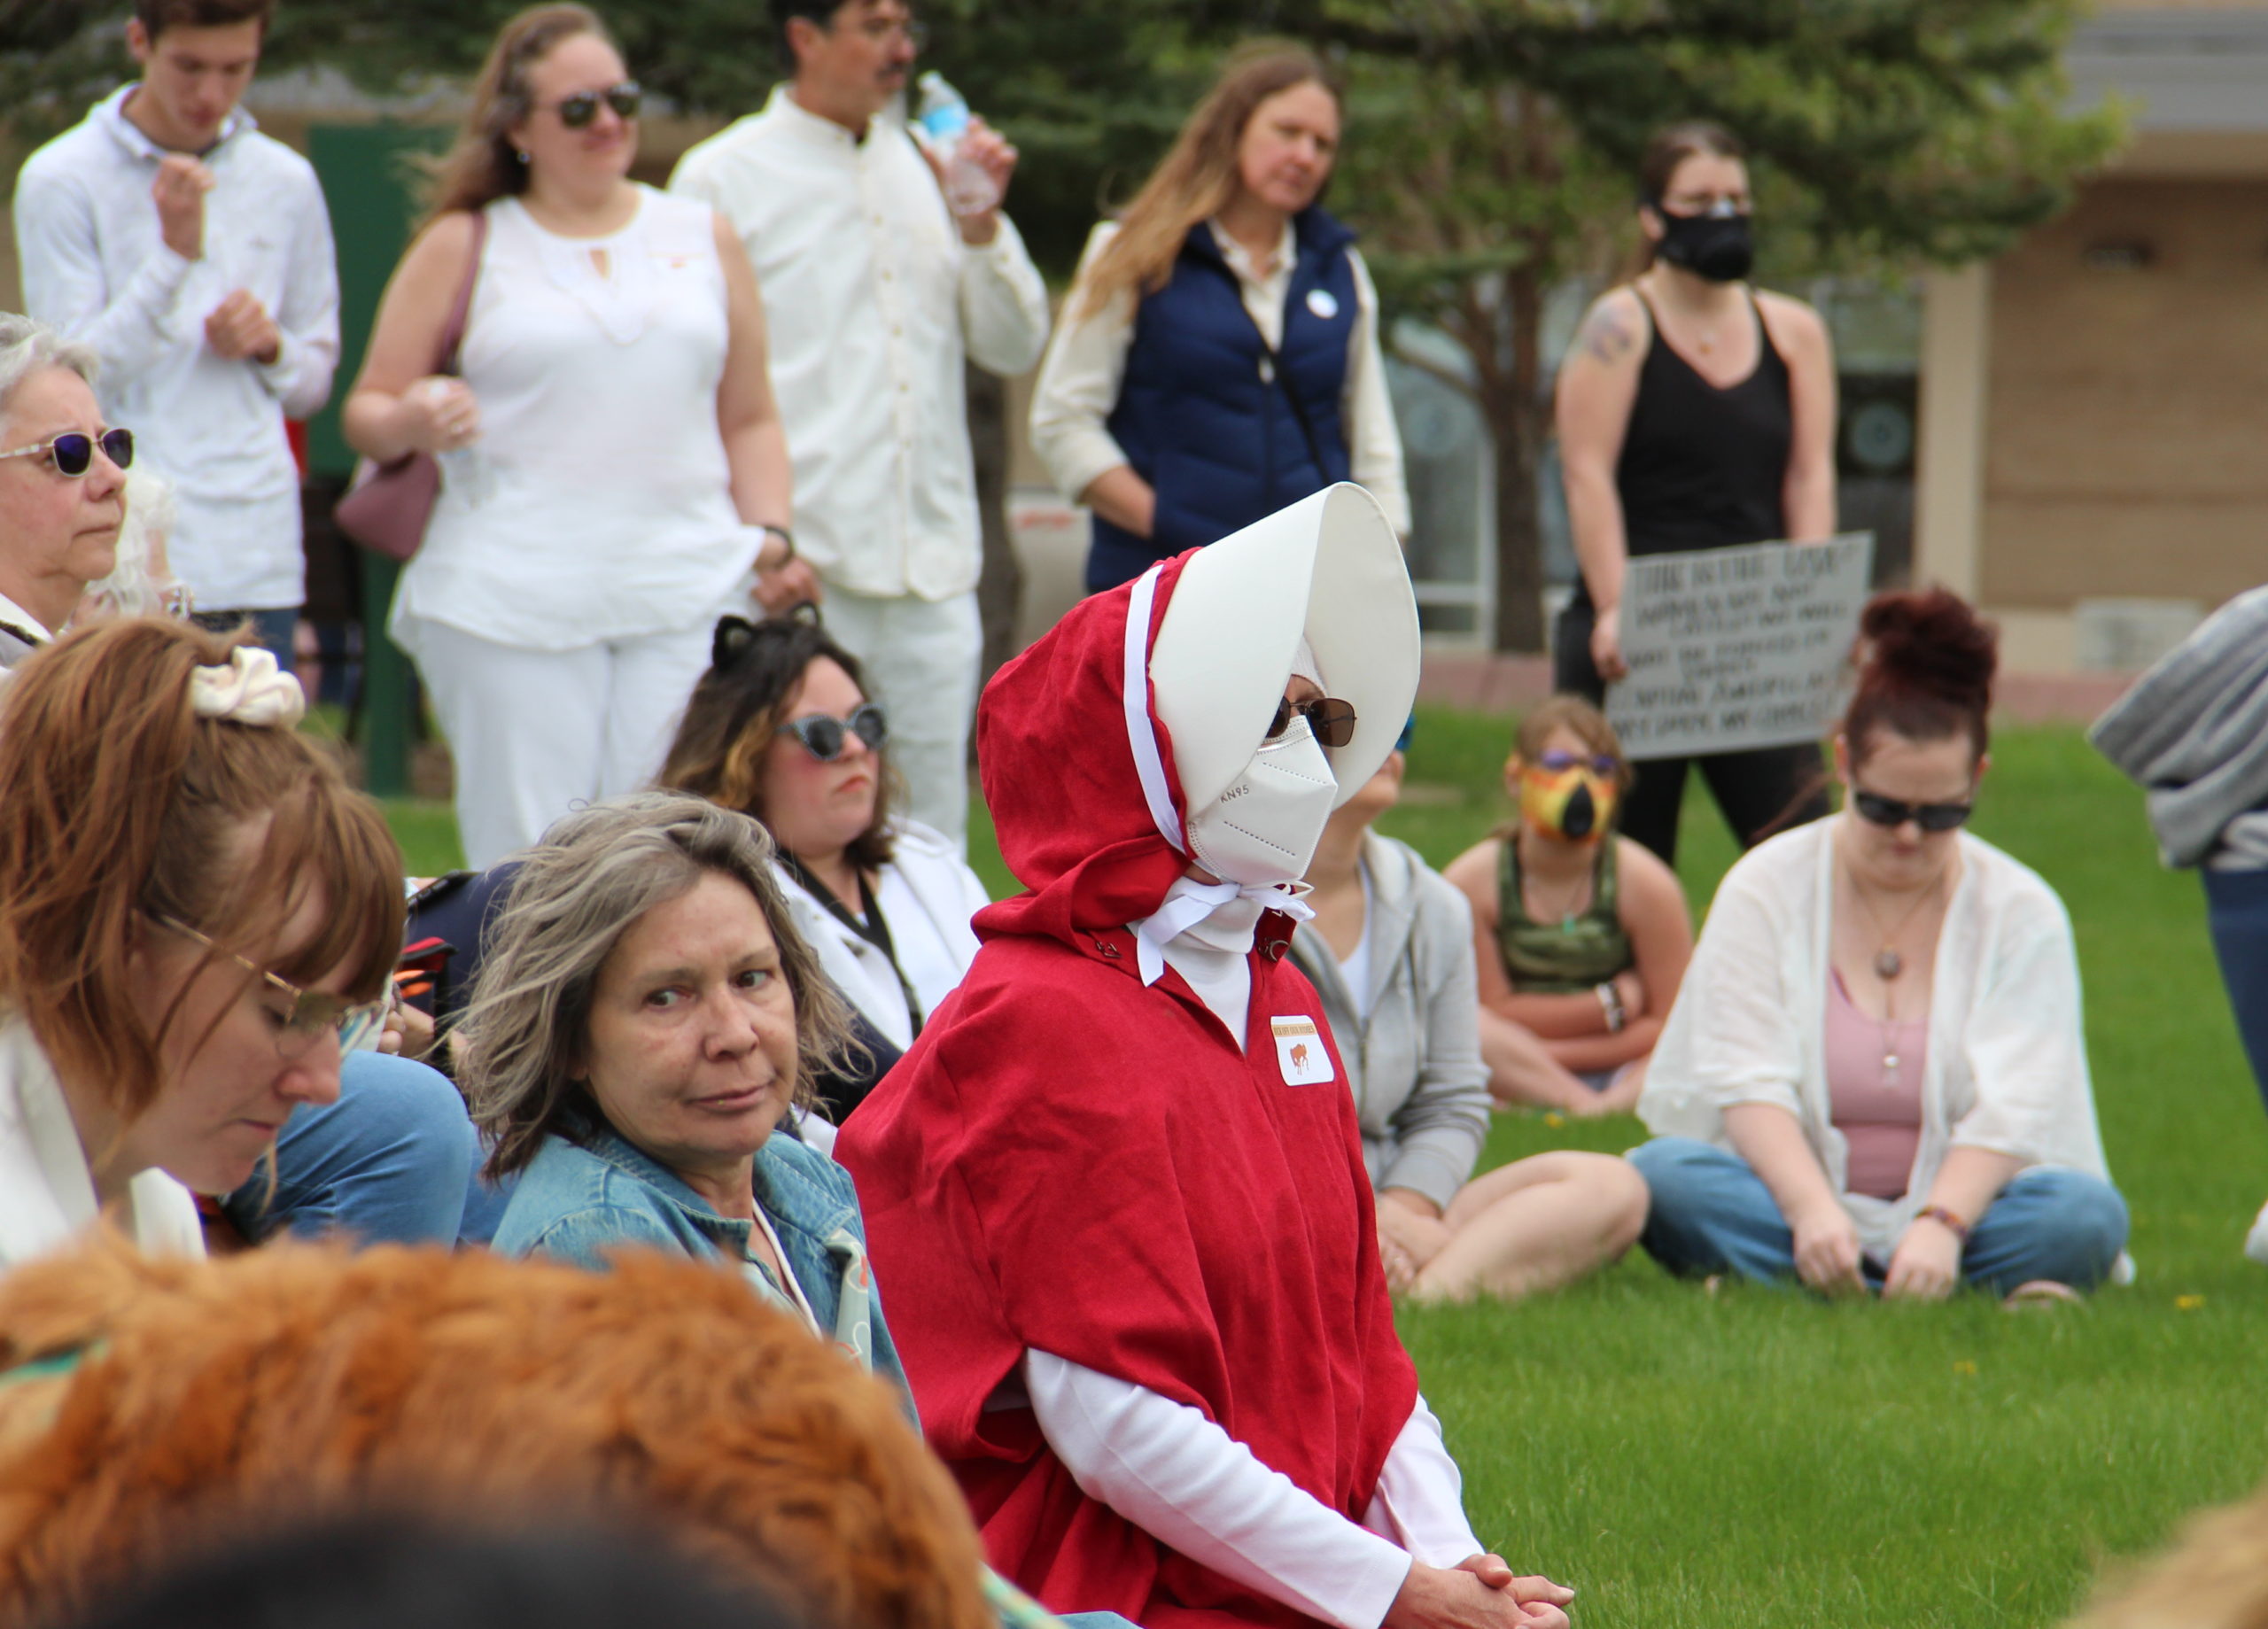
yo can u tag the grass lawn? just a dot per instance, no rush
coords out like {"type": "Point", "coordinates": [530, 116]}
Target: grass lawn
{"type": "Point", "coordinates": [1763, 1459]}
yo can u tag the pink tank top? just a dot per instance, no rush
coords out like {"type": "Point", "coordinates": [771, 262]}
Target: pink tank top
{"type": "Point", "coordinates": [1876, 1108]}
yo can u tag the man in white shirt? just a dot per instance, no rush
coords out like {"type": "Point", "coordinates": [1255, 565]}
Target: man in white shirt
{"type": "Point", "coordinates": [876, 294]}
{"type": "Point", "coordinates": [194, 254]}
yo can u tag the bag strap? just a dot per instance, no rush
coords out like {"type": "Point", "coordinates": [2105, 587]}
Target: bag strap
{"type": "Point", "coordinates": [1275, 376]}
{"type": "Point", "coordinates": [452, 336]}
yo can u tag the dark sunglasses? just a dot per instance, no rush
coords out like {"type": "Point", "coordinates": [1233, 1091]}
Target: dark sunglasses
{"type": "Point", "coordinates": [73, 453]}
{"type": "Point", "coordinates": [1332, 721]}
{"type": "Point", "coordinates": [1558, 759]}
{"type": "Point", "coordinates": [576, 112]}
{"type": "Point", "coordinates": [823, 736]}
{"type": "Point", "coordinates": [1889, 811]}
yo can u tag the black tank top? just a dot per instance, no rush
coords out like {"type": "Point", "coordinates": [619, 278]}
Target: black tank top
{"type": "Point", "coordinates": [1704, 468]}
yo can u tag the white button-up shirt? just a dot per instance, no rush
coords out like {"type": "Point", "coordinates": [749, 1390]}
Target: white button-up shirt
{"type": "Point", "coordinates": [873, 302]}
{"type": "Point", "coordinates": [95, 266]}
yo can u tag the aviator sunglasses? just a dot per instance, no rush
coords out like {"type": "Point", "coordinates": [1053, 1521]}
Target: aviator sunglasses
{"type": "Point", "coordinates": [576, 112]}
{"type": "Point", "coordinates": [1890, 811]}
{"type": "Point", "coordinates": [313, 1012]}
{"type": "Point", "coordinates": [825, 737]}
{"type": "Point", "coordinates": [73, 453]}
{"type": "Point", "coordinates": [1331, 720]}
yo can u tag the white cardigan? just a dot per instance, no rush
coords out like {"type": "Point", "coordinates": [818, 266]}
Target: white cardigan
{"type": "Point", "coordinates": [47, 1193]}
{"type": "Point", "coordinates": [926, 893]}
{"type": "Point", "coordinates": [2008, 1063]}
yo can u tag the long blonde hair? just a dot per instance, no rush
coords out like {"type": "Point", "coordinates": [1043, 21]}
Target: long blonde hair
{"type": "Point", "coordinates": [1198, 176]}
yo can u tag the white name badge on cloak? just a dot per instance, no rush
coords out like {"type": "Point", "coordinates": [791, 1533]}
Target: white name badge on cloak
{"type": "Point", "coordinates": [1300, 1051]}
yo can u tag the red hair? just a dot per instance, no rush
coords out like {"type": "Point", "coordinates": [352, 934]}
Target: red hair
{"type": "Point", "coordinates": [1925, 671]}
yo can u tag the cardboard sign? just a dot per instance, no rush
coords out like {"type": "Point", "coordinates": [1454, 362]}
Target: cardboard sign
{"type": "Point", "coordinates": [1731, 649]}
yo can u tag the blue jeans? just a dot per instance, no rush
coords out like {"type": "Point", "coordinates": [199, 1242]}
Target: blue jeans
{"type": "Point", "coordinates": [1711, 1213]}
{"type": "Point", "coordinates": [271, 629]}
{"type": "Point", "coordinates": [2236, 910]}
{"type": "Point", "coordinates": [392, 1161]}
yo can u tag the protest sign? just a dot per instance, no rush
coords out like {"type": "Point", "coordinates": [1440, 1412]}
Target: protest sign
{"type": "Point", "coordinates": [1731, 649]}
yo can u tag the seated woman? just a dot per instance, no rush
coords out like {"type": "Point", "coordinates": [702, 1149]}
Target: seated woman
{"type": "Point", "coordinates": [1390, 952]}
{"type": "Point", "coordinates": [198, 917]}
{"type": "Point", "coordinates": [1115, 1188]}
{"type": "Point", "coordinates": [645, 1014]}
{"type": "Point", "coordinates": [1582, 935]}
{"type": "Point", "coordinates": [1875, 1073]}
{"type": "Point", "coordinates": [780, 727]}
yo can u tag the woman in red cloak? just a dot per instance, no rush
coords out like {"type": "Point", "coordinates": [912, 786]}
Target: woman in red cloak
{"type": "Point", "coordinates": [1115, 1191]}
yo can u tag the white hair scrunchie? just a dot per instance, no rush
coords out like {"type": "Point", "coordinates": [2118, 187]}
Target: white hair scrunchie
{"type": "Point", "coordinates": [251, 689]}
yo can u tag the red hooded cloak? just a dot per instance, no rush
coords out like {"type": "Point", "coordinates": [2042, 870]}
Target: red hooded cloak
{"type": "Point", "coordinates": [1071, 1161]}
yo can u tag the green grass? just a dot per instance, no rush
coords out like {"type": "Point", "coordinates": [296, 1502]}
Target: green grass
{"type": "Point", "coordinates": [1759, 1458]}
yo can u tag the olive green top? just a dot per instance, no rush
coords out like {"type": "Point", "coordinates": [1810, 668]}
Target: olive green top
{"type": "Point", "coordinates": [1558, 958]}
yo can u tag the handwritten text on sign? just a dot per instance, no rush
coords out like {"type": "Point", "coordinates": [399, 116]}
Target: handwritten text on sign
{"type": "Point", "coordinates": [1736, 648]}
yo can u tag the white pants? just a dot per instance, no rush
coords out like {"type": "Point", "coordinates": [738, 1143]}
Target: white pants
{"type": "Point", "coordinates": [920, 657]}
{"type": "Point", "coordinates": [536, 733]}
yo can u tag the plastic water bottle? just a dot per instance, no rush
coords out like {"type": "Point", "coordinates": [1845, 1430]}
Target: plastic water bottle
{"type": "Point", "coordinates": [969, 187]}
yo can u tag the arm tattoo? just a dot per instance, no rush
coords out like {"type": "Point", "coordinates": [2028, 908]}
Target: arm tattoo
{"type": "Point", "coordinates": [1605, 336]}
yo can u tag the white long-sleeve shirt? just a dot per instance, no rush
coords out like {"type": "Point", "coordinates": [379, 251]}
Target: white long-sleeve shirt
{"type": "Point", "coordinates": [95, 266]}
{"type": "Point", "coordinates": [1185, 1481]}
{"type": "Point", "coordinates": [873, 303]}
{"type": "Point", "coordinates": [1078, 387]}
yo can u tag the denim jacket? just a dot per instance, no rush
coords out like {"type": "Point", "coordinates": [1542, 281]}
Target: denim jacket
{"type": "Point", "coordinates": [575, 1202]}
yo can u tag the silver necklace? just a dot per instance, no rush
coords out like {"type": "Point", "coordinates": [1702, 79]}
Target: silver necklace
{"type": "Point", "coordinates": [1888, 964]}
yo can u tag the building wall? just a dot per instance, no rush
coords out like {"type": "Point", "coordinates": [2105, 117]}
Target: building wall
{"type": "Point", "coordinates": [2126, 379]}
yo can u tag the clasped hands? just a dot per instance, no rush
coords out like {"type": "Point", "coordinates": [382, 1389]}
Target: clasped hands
{"type": "Point", "coordinates": [1925, 1267]}
{"type": "Point", "coordinates": [1481, 1592]}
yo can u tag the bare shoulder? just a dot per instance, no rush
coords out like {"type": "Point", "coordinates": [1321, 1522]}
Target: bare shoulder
{"type": "Point", "coordinates": [1647, 884]}
{"type": "Point", "coordinates": [1473, 874]}
{"type": "Point", "coordinates": [1615, 332]}
{"type": "Point", "coordinates": [443, 249]}
{"type": "Point", "coordinates": [1794, 323]}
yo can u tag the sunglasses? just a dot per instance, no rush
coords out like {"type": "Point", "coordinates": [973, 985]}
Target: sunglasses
{"type": "Point", "coordinates": [576, 112]}
{"type": "Point", "coordinates": [824, 737]}
{"type": "Point", "coordinates": [73, 453]}
{"type": "Point", "coordinates": [1332, 721]}
{"type": "Point", "coordinates": [1559, 760]}
{"type": "Point", "coordinates": [312, 1014]}
{"type": "Point", "coordinates": [1889, 811]}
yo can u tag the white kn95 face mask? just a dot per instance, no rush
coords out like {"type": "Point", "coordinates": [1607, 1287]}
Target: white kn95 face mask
{"type": "Point", "coordinates": [1264, 828]}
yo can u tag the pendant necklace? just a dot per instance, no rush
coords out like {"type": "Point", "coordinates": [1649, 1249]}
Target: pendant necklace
{"type": "Point", "coordinates": [1888, 964]}
{"type": "Point", "coordinates": [1576, 899]}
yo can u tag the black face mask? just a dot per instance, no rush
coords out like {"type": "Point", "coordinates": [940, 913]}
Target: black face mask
{"type": "Point", "coordinates": [1721, 248]}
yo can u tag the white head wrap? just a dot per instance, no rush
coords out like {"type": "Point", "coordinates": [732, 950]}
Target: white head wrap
{"type": "Point", "coordinates": [251, 689]}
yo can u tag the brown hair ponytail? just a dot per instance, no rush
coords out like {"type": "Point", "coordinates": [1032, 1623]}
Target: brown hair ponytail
{"type": "Point", "coordinates": [118, 804]}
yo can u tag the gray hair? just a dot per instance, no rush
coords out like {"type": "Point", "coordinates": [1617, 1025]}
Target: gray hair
{"type": "Point", "coordinates": [28, 346]}
{"type": "Point", "coordinates": [134, 587]}
{"type": "Point", "coordinates": [594, 873]}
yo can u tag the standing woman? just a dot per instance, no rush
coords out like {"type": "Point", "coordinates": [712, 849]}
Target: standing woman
{"type": "Point", "coordinates": [1219, 357]}
{"type": "Point", "coordinates": [1694, 413]}
{"type": "Point", "coordinates": [615, 467]}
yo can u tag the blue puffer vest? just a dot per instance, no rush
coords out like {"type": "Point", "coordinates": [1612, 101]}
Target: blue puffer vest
{"type": "Point", "coordinates": [1199, 418]}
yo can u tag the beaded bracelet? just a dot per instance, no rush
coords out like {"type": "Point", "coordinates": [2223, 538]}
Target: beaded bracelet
{"type": "Point", "coordinates": [1946, 1219]}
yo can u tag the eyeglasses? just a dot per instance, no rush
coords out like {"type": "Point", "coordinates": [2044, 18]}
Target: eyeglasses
{"type": "Point", "coordinates": [824, 737]}
{"type": "Point", "coordinates": [1559, 760]}
{"type": "Point", "coordinates": [1889, 811]}
{"type": "Point", "coordinates": [1331, 720]}
{"type": "Point", "coordinates": [313, 1012]}
{"type": "Point", "coordinates": [880, 28]}
{"type": "Point", "coordinates": [576, 112]}
{"type": "Point", "coordinates": [73, 453]}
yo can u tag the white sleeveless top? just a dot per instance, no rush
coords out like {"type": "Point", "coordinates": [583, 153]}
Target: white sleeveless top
{"type": "Point", "coordinates": [598, 504]}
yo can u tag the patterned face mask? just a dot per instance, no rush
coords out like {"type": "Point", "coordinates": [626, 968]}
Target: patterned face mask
{"type": "Point", "coordinates": [1571, 800]}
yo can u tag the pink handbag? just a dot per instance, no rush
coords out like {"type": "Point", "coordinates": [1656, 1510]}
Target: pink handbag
{"type": "Point", "coordinates": [386, 507]}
